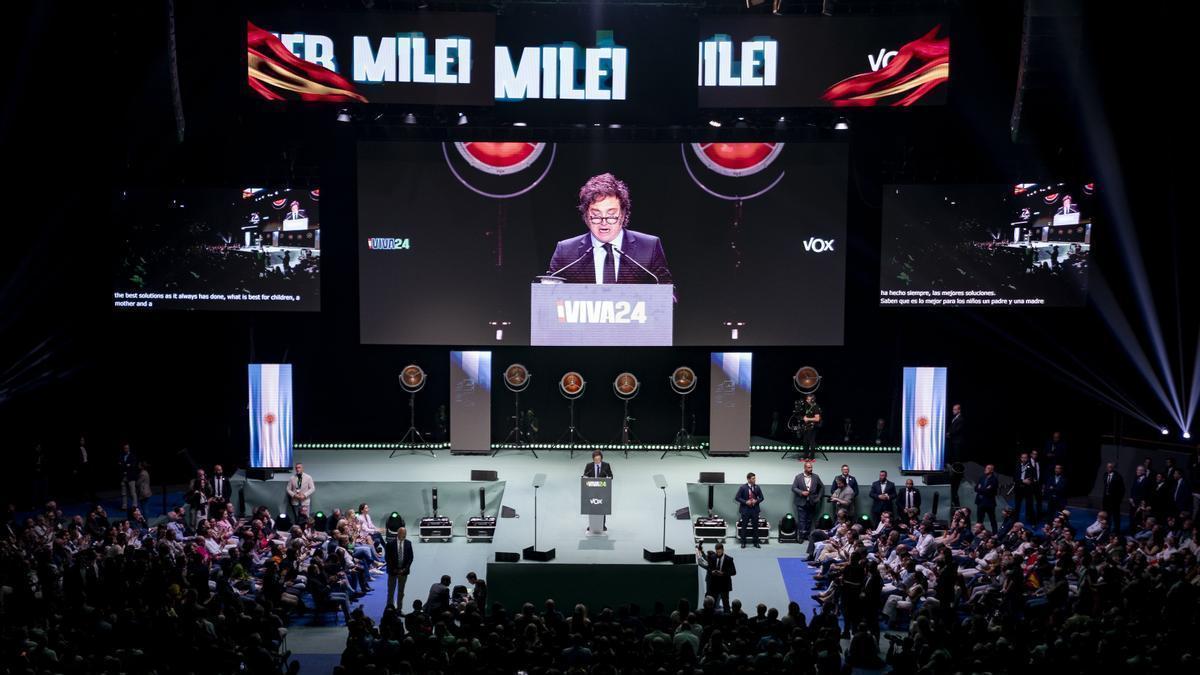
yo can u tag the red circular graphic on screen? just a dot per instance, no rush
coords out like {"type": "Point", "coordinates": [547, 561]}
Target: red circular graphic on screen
{"type": "Point", "coordinates": [500, 159]}
{"type": "Point", "coordinates": [1050, 198]}
{"type": "Point", "coordinates": [737, 159]}
{"type": "Point", "coordinates": [269, 418]}
{"type": "Point", "coordinates": [923, 422]}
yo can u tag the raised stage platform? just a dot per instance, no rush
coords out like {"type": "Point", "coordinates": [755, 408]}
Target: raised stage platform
{"type": "Point", "coordinates": [404, 483]}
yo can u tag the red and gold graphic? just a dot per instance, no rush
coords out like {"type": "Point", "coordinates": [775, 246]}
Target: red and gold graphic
{"type": "Point", "coordinates": [500, 159]}
{"type": "Point", "coordinates": [917, 68]}
{"type": "Point", "coordinates": [737, 159]}
{"type": "Point", "coordinates": [277, 74]}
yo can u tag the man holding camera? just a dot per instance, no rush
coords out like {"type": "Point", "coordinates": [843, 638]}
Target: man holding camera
{"type": "Point", "coordinates": [718, 581]}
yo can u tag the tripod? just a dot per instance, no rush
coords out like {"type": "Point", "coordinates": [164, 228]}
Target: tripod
{"type": "Point", "coordinates": [627, 436]}
{"type": "Point", "coordinates": [412, 436]}
{"type": "Point", "coordinates": [571, 434]}
{"type": "Point", "coordinates": [683, 438]}
{"type": "Point", "coordinates": [518, 437]}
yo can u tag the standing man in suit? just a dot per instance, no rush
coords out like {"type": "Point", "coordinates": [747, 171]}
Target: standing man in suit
{"type": "Point", "coordinates": [398, 557]}
{"type": "Point", "coordinates": [883, 496]}
{"type": "Point", "coordinates": [598, 469]}
{"type": "Point", "coordinates": [718, 579]}
{"type": "Point", "coordinates": [1056, 491]}
{"type": "Point", "coordinates": [221, 493]}
{"type": "Point", "coordinates": [851, 481]}
{"type": "Point", "coordinates": [1025, 479]}
{"type": "Point", "coordinates": [300, 489]}
{"type": "Point", "coordinates": [609, 253]}
{"type": "Point", "coordinates": [911, 499]}
{"type": "Point", "coordinates": [1112, 493]}
{"type": "Point", "coordinates": [1139, 491]}
{"type": "Point", "coordinates": [128, 465]}
{"type": "Point", "coordinates": [1055, 450]}
{"type": "Point", "coordinates": [985, 495]}
{"type": "Point", "coordinates": [956, 434]}
{"type": "Point", "coordinates": [1181, 493]}
{"type": "Point", "coordinates": [807, 490]}
{"type": "Point", "coordinates": [749, 498]}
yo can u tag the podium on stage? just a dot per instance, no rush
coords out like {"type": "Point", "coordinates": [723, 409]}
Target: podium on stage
{"type": "Point", "coordinates": [598, 315]}
{"type": "Point", "coordinates": [595, 502]}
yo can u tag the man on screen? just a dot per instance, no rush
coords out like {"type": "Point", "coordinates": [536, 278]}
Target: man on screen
{"type": "Point", "coordinates": [296, 213]}
{"type": "Point", "coordinates": [609, 253]}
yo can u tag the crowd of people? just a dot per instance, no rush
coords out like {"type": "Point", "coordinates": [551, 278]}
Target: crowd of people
{"type": "Point", "coordinates": [221, 269]}
{"type": "Point", "coordinates": [897, 588]}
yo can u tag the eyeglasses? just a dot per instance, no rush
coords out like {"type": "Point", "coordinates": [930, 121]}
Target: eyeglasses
{"type": "Point", "coordinates": [607, 220]}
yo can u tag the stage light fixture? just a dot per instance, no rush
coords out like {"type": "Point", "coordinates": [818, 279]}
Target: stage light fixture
{"type": "Point", "coordinates": [320, 522]}
{"type": "Point", "coordinates": [1186, 434]}
{"type": "Point", "coordinates": [1164, 431]}
{"type": "Point", "coordinates": [866, 519]}
{"type": "Point", "coordinates": [343, 115]}
{"type": "Point", "coordinates": [410, 118]}
{"type": "Point", "coordinates": [462, 119]}
{"type": "Point", "coordinates": [283, 523]}
{"type": "Point", "coordinates": [626, 386]}
{"type": "Point", "coordinates": [716, 124]}
{"type": "Point", "coordinates": [520, 124]}
{"type": "Point", "coordinates": [806, 380]}
{"type": "Point", "coordinates": [842, 124]}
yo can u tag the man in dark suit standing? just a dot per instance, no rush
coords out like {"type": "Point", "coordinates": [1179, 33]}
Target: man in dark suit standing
{"type": "Point", "coordinates": [220, 486]}
{"type": "Point", "coordinates": [398, 557]}
{"type": "Point", "coordinates": [718, 580]}
{"type": "Point", "coordinates": [985, 495]}
{"type": "Point", "coordinates": [609, 253]}
{"type": "Point", "coordinates": [1056, 491]}
{"type": "Point", "coordinates": [749, 498]}
{"type": "Point", "coordinates": [1181, 493]}
{"type": "Point", "coordinates": [851, 481]}
{"type": "Point", "coordinates": [956, 434]}
{"type": "Point", "coordinates": [1112, 491]}
{"type": "Point", "coordinates": [883, 496]}
{"type": "Point", "coordinates": [911, 498]}
{"type": "Point", "coordinates": [598, 469]}
{"type": "Point", "coordinates": [1024, 483]}
{"type": "Point", "coordinates": [1055, 450]}
{"type": "Point", "coordinates": [806, 489]}
{"type": "Point", "coordinates": [1139, 491]}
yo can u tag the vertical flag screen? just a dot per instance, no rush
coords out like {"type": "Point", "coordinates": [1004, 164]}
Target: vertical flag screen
{"type": "Point", "coordinates": [924, 420]}
{"type": "Point", "coordinates": [270, 415]}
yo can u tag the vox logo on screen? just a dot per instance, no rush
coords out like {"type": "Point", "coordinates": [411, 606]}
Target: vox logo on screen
{"type": "Point", "coordinates": [815, 245]}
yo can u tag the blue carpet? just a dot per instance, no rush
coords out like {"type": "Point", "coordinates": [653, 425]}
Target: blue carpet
{"type": "Point", "coordinates": [311, 664]}
{"type": "Point", "coordinates": [798, 579]}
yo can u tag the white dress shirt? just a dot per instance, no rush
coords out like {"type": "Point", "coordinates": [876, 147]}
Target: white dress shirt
{"type": "Point", "coordinates": [598, 254]}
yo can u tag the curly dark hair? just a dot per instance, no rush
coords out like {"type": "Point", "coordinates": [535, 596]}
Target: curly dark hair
{"type": "Point", "coordinates": [601, 186]}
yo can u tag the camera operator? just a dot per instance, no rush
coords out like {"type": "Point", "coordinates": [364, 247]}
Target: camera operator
{"type": "Point", "coordinates": [718, 581]}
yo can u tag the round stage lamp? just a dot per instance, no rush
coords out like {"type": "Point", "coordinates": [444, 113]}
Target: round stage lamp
{"type": "Point", "coordinates": [412, 378]}
{"type": "Point", "coordinates": [626, 386]}
{"type": "Point", "coordinates": [571, 385]}
{"type": "Point", "coordinates": [516, 377]}
{"type": "Point", "coordinates": [320, 521]}
{"type": "Point", "coordinates": [394, 522]}
{"type": "Point", "coordinates": [806, 380]}
{"type": "Point", "coordinates": [283, 523]}
{"type": "Point", "coordinates": [787, 526]}
{"type": "Point", "coordinates": [825, 522]}
{"type": "Point", "coordinates": [683, 380]}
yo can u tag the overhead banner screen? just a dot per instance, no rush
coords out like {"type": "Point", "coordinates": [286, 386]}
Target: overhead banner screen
{"type": "Point", "coordinates": [644, 61]}
{"type": "Point", "coordinates": [809, 62]}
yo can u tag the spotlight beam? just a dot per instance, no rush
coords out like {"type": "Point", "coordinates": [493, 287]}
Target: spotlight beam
{"type": "Point", "coordinates": [1107, 304]}
{"type": "Point", "coordinates": [1194, 387]}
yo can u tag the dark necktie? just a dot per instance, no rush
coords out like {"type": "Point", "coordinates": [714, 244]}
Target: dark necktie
{"type": "Point", "coordinates": [596, 471]}
{"type": "Point", "coordinates": [610, 265]}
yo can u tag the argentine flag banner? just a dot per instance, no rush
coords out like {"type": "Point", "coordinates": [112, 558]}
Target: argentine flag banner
{"type": "Point", "coordinates": [270, 415]}
{"type": "Point", "coordinates": [924, 419]}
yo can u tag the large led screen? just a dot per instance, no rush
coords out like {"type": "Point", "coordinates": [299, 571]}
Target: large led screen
{"type": "Point", "coordinates": [252, 248]}
{"type": "Point", "coordinates": [602, 244]}
{"type": "Point", "coordinates": [986, 245]}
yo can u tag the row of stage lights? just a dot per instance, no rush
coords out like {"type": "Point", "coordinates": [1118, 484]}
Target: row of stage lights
{"type": "Point", "coordinates": [568, 446]}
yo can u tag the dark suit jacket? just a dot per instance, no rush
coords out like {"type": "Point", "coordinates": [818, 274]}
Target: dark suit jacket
{"type": "Point", "coordinates": [814, 494]}
{"type": "Point", "coordinates": [225, 493]}
{"type": "Point", "coordinates": [902, 499]}
{"type": "Point", "coordinates": [1113, 491]}
{"type": "Point", "coordinates": [985, 491]}
{"type": "Point", "coordinates": [721, 582]}
{"type": "Point", "coordinates": [645, 248]}
{"type": "Point", "coordinates": [957, 434]}
{"type": "Point", "coordinates": [1056, 491]}
{"type": "Point", "coordinates": [398, 562]}
{"type": "Point", "coordinates": [439, 599]}
{"type": "Point", "coordinates": [589, 470]}
{"type": "Point", "coordinates": [1139, 489]}
{"type": "Point", "coordinates": [880, 505]}
{"type": "Point", "coordinates": [743, 494]}
{"type": "Point", "coordinates": [1181, 496]}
